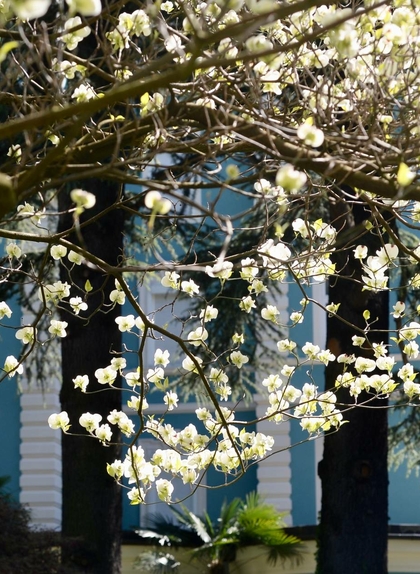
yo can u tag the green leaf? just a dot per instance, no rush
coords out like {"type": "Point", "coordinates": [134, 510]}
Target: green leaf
{"type": "Point", "coordinates": [404, 175]}
{"type": "Point", "coordinates": [6, 48]}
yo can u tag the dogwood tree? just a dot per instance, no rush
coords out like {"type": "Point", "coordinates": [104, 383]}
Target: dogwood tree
{"type": "Point", "coordinates": [301, 112]}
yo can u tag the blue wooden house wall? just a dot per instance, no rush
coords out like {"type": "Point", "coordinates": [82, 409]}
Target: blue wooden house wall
{"type": "Point", "coordinates": [404, 492]}
{"type": "Point", "coordinates": [10, 410]}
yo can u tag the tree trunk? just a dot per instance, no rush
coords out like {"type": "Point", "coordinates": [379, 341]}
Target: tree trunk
{"type": "Point", "coordinates": [354, 514]}
{"type": "Point", "coordinates": [92, 509]}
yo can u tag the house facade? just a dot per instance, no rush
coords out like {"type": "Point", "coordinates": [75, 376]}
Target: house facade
{"type": "Point", "coordinates": [30, 454]}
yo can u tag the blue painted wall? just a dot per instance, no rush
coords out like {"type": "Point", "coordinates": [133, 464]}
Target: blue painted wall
{"type": "Point", "coordinates": [9, 435]}
{"type": "Point", "coordinates": [10, 408]}
{"type": "Point", "coordinates": [303, 465]}
{"type": "Point", "coordinates": [404, 497]}
{"type": "Point", "coordinates": [303, 479]}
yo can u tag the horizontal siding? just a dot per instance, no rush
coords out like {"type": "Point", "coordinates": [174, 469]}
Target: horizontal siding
{"type": "Point", "coordinates": [40, 451]}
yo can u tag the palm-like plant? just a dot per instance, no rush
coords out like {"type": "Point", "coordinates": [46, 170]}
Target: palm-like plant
{"type": "Point", "coordinates": [241, 523]}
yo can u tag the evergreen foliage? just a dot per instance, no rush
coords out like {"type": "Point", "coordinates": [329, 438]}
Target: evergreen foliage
{"type": "Point", "coordinates": [242, 523]}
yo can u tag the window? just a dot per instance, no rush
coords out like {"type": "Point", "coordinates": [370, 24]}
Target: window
{"type": "Point", "coordinates": [195, 502]}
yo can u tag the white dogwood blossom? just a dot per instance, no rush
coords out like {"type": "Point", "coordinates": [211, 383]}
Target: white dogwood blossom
{"type": "Point", "coordinates": [125, 323]}
{"type": "Point", "coordinates": [83, 199]}
{"type": "Point", "coordinates": [81, 382]}
{"type": "Point", "coordinates": [238, 359]}
{"type": "Point", "coordinates": [59, 421]}
{"type": "Point", "coordinates": [12, 366]}
{"type": "Point", "coordinates": [270, 313]}
{"type": "Point", "coordinates": [5, 310]}
{"type": "Point", "coordinates": [85, 7]}
{"type": "Point", "coordinates": [209, 313]}
{"type": "Point", "coordinates": [74, 33]}
{"type": "Point", "coordinates": [290, 179]}
{"type": "Point", "coordinates": [154, 201]}
{"type": "Point", "coordinates": [58, 328]}
{"type": "Point", "coordinates": [106, 376]}
{"type": "Point", "coordinates": [170, 279]}
{"type": "Point", "coordinates": [74, 257]}
{"type": "Point", "coordinates": [90, 421]}
{"type": "Point", "coordinates": [198, 336]}
{"type": "Point", "coordinates": [310, 134]}
{"type": "Point", "coordinates": [27, 210]}
{"type": "Point", "coordinates": [190, 287]}
{"type": "Point", "coordinates": [58, 251]}
{"type": "Point", "coordinates": [55, 292]}
{"type": "Point", "coordinates": [260, 152]}
{"type": "Point", "coordinates": [27, 335]}
{"type": "Point", "coordinates": [13, 250]}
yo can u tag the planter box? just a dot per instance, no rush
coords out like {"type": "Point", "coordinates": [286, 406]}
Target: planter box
{"type": "Point", "coordinates": [404, 558]}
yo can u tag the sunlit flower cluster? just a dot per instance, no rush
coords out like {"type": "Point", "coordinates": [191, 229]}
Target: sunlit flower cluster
{"type": "Point", "coordinates": [289, 114]}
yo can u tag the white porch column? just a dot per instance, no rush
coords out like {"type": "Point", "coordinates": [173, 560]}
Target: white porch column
{"type": "Point", "coordinates": [274, 474]}
{"type": "Point", "coordinates": [40, 451]}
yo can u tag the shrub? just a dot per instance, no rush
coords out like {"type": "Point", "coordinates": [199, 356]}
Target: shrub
{"type": "Point", "coordinates": [24, 550]}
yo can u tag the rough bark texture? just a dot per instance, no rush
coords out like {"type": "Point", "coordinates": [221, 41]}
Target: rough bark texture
{"type": "Point", "coordinates": [354, 514]}
{"type": "Point", "coordinates": [91, 500]}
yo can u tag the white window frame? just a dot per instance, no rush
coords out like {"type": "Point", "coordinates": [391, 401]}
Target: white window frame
{"type": "Point", "coordinates": [196, 502]}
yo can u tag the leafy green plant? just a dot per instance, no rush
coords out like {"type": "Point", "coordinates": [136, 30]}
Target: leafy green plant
{"type": "Point", "coordinates": [241, 523]}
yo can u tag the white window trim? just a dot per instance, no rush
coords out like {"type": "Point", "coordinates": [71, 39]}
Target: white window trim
{"type": "Point", "coordinates": [196, 502]}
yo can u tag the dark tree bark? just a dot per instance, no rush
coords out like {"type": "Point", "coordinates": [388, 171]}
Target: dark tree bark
{"type": "Point", "coordinates": [92, 508]}
{"type": "Point", "coordinates": [354, 513]}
